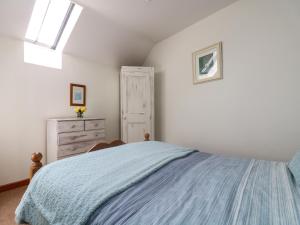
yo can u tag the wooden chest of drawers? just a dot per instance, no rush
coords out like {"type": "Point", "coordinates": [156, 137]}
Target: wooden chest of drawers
{"type": "Point", "coordinates": [71, 136]}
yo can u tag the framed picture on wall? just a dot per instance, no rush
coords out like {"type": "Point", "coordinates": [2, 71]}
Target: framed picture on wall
{"type": "Point", "coordinates": [208, 64]}
{"type": "Point", "coordinates": [77, 95]}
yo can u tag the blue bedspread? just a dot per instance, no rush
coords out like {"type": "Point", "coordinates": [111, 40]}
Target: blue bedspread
{"type": "Point", "coordinates": [156, 183]}
{"type": "Point", "coordinates": [67, 192]}
{"type": "Point", "coordinates": [208, 190]}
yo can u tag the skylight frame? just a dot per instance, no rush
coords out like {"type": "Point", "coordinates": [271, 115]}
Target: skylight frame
{"type": "Point", "coordinates": [34, 38]}
{"type": "Point", "coordinates": [63, 25]}
{"type": "Point", "coordinates": [49, 28]}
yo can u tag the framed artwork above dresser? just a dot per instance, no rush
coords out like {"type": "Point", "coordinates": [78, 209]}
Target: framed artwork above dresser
{"type": "Point", "coordinates": [68, 137]}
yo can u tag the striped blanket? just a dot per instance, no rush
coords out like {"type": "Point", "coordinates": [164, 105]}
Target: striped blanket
{"type": "Point", "coordinates": [209, 190]}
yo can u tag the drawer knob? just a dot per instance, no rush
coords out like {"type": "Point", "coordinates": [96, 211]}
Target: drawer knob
{"type": "Point", "coordinates": [73, 126]}
{"type": "Point", "coordinates": [76, 137]}
{"type": "Point", "coordinates": [96, 125]}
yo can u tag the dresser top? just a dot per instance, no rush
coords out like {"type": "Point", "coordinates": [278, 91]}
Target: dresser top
{"type": "Point", "coordinates": [76, 119]}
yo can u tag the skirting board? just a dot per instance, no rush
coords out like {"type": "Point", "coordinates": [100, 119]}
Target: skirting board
{"type": "Point", "coordinates": [14, 185]}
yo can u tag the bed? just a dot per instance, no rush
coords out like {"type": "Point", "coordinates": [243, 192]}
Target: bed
{"type": "Point", "coordinates": [159, 183]}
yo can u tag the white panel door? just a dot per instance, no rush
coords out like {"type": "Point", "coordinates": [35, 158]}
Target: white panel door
{"type": "Point", "coordinates": [137, 106]}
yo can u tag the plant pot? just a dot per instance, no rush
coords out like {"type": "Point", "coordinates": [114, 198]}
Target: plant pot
{"type": "Point", "coordinates": [79, 115]}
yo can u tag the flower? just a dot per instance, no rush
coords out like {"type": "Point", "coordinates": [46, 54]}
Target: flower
{"type": "Point", "coordinates": [80, 109]}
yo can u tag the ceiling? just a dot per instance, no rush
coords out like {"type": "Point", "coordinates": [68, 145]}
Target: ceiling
{"type": "Point", "coordinates": [116, 32]}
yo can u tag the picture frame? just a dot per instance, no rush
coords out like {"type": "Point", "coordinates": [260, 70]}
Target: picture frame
{"type": "Point", "coordinates": [77, 95]}
{"type": "Point", "coordinates": [208, 64]}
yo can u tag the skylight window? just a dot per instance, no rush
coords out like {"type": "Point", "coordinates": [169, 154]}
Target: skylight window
{"type": "Point", "coordinates": [50, 27]}
{"type": "Point", "coordinates": [49, 20]}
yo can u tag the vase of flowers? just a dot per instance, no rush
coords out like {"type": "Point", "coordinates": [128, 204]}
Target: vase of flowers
{"type": "Point", "coordinates": [79, 111]}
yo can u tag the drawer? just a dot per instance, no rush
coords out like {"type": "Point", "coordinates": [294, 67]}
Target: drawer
{"type": "Point", "coordinates": [94, 124]}
{"type": "Point", "coordinates": [77, 148]}
{"type": "Point", "coordinates": [69, 138]}
{"type": "Point", "coordinates": [70, 126]}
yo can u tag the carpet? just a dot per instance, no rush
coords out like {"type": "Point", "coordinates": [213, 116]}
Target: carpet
{"type": "Point", "coordinates": [9, 201]}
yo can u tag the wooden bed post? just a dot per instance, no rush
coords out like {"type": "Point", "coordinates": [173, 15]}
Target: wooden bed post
{"type": "Point", "coordinates": [147, 137]}
{"type": "Point", "coordinates": [36, 163]}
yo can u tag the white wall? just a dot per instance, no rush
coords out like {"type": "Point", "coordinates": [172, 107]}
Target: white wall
{"type": "Point", "coordinates": [30, 94]}
{"type": "Point", "coordinates": [255, 110]}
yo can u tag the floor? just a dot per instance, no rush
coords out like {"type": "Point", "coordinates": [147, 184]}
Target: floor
{"type": "Point", "coordinates": [9, 201]}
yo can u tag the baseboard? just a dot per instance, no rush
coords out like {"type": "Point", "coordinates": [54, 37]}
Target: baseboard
{"type": "Point", "coordinates": [14, 185]}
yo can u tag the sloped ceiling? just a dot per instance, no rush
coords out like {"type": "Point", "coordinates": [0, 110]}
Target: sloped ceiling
{"type": "Point", "coordinates": [115, 32]}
